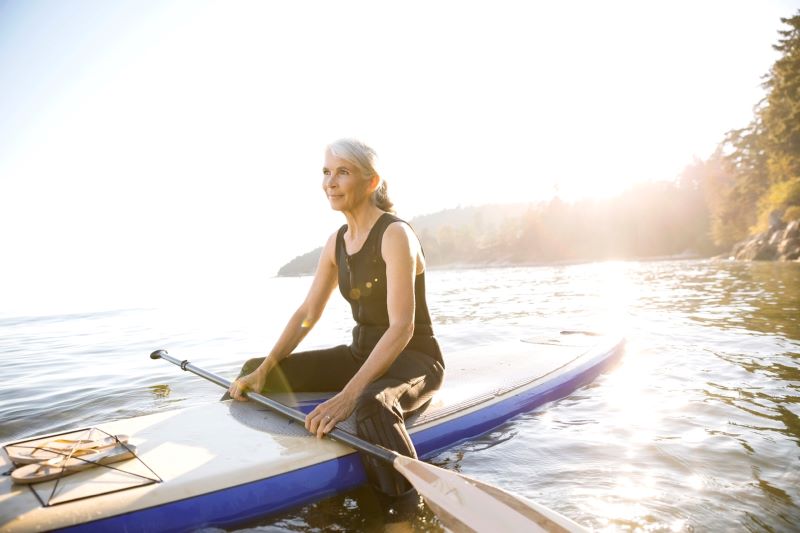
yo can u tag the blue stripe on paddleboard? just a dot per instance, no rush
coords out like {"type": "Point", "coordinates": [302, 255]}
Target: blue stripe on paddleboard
{"type": "Point", "coordinates": [241, 503]}
{"type": "Point", "coordinates": [234, 505]}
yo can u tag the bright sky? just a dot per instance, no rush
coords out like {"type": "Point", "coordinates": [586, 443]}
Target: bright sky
{"type": "Point", "coordinates": [148, 147]}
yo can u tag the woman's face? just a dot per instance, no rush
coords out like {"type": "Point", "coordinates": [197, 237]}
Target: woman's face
{"type": "Point", "coordinates": [343, 184]}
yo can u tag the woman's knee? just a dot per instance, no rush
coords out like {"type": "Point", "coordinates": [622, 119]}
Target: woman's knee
{"type": "Point", "coordinates": [369, 402]}
{"type": "Point", "coordinates": [376, 404]}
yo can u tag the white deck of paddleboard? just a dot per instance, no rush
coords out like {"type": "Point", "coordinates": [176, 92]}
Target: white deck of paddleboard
{"type": "Point", "coordinates": [223, 444]}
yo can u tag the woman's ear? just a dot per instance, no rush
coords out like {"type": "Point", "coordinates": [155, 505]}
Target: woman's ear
{"type": "Point", "coordinates": [374, 183]}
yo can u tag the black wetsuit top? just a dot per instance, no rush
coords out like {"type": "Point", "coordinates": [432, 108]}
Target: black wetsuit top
{"type": "Point", "coordinates": [362, 282]}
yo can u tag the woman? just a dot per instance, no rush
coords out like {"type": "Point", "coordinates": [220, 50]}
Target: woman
{"type": "Point", "coordinates": [393, 365]}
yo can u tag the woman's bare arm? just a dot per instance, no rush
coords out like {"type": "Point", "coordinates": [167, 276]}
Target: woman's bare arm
{"type": "Point", "coordinates": [300, 323]}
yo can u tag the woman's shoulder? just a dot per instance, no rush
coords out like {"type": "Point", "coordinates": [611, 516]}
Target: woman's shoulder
{"type": "Point", "coordinates": [398, 225]}
{"type": "Point", "coordinates": [391, 218]}
{"type": "Point", "coordinates": [399, 233]}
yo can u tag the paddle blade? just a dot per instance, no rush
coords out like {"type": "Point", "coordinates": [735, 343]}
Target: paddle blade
{"type": "Point", "coordinates": [465, 504]}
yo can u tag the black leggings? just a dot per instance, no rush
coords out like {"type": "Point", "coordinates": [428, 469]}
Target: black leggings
{"type": "Point", "coordinates": [406, 386]}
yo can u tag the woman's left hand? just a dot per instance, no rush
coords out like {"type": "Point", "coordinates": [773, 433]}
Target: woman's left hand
{"type": "Point", "coordinates": [326, 415]}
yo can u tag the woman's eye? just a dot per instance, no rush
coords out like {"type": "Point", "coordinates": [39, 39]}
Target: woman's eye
{"type": "Point", "coordinates": [326, 172]}
{"type": "Point", "coordinates": [345, 171]}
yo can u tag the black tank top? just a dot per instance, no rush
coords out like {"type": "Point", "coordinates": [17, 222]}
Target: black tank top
{"type": "Point", "coordinates": [362, 282]}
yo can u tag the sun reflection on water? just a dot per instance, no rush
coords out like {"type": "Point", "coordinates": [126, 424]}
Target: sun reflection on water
{"type": "Point", "coordinates": [618, 293]}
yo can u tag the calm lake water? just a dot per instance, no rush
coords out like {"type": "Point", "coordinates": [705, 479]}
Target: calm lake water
{"type": "Point", "coordinates": [698, 429]}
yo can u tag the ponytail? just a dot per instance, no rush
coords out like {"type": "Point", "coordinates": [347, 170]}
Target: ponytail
{"type": "Point", "coordinates": [381, 198]}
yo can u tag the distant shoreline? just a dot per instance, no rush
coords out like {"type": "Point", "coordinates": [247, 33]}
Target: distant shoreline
{"type": "Point", "coordinates": [529, 264]}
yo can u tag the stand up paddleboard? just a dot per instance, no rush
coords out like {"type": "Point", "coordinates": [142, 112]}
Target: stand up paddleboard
{"type": "Point", "coordinates": [225, 463]}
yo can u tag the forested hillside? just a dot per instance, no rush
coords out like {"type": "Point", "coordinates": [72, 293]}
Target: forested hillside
{"type": "Point", "coordinates": [653, 219]}
{"type": "Point", "coordinates": [755, 172]}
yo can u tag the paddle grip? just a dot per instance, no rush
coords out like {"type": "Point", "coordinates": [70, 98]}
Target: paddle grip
{"type": "Point", "coordinates": [298, 416]}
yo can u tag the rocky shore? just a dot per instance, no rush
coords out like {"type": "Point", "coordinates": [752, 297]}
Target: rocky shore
{"type": "Point", "coordinates": [780, 243]}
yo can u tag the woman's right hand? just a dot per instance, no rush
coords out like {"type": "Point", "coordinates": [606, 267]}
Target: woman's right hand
{"type": "Point", "coordinates": [253, 382]}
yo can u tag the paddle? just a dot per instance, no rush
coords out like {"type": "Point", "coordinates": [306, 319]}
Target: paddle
{"type": "Point", "coordinates": [461, 503]}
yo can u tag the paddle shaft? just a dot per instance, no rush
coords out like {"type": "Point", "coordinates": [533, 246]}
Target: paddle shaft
{"type": "Point", "coordinates": [337, 434]}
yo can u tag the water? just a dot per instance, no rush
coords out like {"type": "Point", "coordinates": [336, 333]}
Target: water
{"type": "Point", "coordinates": [696, 430]}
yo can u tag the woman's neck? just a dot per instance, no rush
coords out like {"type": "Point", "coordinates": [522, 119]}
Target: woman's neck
{"type": "Point", "coordinates": [361, 220]}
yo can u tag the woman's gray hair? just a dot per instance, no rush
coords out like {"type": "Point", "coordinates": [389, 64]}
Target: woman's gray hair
{"type": "Point", "coordinates": [365, 159]}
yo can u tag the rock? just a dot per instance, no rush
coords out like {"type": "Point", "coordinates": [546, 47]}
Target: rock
{"type": "Point", "coordinates": [737, 249]}
{"type": "Point", "coordinates": [792, 255]}
{"type": "Point", "coordinates": [781, 242]}
{"type": "Point", "coordinates": [792, 230]}
{"type": "Point", "coordinates": [757, 249]}
{"type": "Point", "coordinates": [789, 250]}
{"type": "Point", "coordinates": [788, 245]}
{"type": "Point", "coordinates": [766, 253]}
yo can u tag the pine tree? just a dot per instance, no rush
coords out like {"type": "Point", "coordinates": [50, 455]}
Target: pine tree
{"type": "Point", "coordinates": [763, 159]}
{"type": "Point", "coordinates": [781, 115]}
